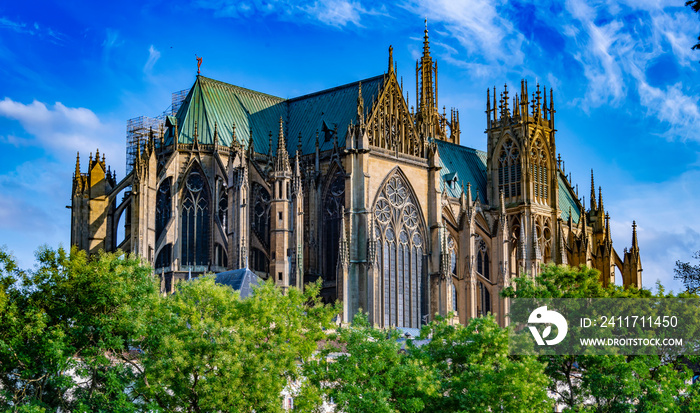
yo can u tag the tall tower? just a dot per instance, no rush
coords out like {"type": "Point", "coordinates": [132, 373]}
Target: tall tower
{"type": "Point", "coordinates": [427, 116]}
{"type": "Point", "coordinates": [521, 165]}
{"type": "Point", "coordinates": [279, 209]}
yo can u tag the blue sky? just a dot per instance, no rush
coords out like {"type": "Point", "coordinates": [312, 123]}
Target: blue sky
{"type": "Point", "coordinates": [625, 84]}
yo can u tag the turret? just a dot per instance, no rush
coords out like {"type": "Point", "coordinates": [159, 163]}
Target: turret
{"type": "Point", "coordinates": [281, 175]}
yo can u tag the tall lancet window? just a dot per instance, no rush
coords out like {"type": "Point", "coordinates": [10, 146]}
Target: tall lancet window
{"type": "Point", "coordinates": [195, 222]}
{"type": "Point", "coordinates": [163, 207]}
{"type": "Point", "coordinates": [509, 170]}
{"type": "Point", "coordinates": [261, 215]}
{"type": "Point", "coordinates": [223, 205]}
{"type": "Point", "coordinates": [540, 172]}
{"type": "Point", "coordinates": [482, 258]}
{"type": "Point", "coordinates": [332, 204]}
{"type": "Point", "coordinates": [452, 249]}
{"type": "Point", "coordinates": [400, 238]}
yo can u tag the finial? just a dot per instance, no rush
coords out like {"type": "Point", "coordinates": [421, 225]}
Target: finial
{"type": "Point", "coordinates": [600, 197]}
{"type": "Point", "coordinates": [199, 64]}
{"type": "Point", "coordinates": [233, 134]}
{"type": "Point", "coordinates": [469, 193]}
{"type": "Point", "coordinates": [391, 59]}
{"type": "Point", "coordinates": [269, 143]}
{"type": "Point", "coordinates": [635, 244]}
{"type": "Point", "coordinates": [77, 164]}
{"type": "Point", "coordinates": [97, 154]}
{"type": "Point", "coordinates": [593, 205]}
{"type": "Point", "coordinates": [299, 145]}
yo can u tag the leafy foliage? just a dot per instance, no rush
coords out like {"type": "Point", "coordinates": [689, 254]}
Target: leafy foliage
{"type": "Point", "coordinates": [608, 383]}
{"type": "Point", "coordinates": [475, 372]}
{"type": "Point", "coordinates": [686, 272]}
{"type": "Point", "coordinates": [64, 325]}
{"type": "Point", "coordinates": [209, 350]}
{"type": "Point", "coordinates": [363, 369]}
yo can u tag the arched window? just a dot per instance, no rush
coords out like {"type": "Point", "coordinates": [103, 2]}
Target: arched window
{"type": "Point", "coordinates": [540, 173]}
{"type": "Point", "coordinates": [509, 170]}
{"type": "Point", "coordinates": [484, 300]}
{"type": "Point", "coordinates": [482, 258]}
{"type": "Point", "coordinates": [333, 202]}
{"type": "Point", "coordinates": [163, 207]}
{"type": "Point", "coordinates": [452, 249]}
{"type": "Point", "coordinates": [195, 222]}
{"type": "Point", "coordinates": [222, 211]}
{"type": "Point", "coordinates": [261, 214]}
{"type": "Point", "coordinates": [400, 239]}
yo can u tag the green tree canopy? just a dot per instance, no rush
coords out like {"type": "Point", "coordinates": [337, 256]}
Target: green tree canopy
{"type": "Point", "coordinates": [66, 326]}
{"type": "Point", "coordinates": [363, 369]}
{"type": "Point", "coordinates": [206, 349]}
{"type": "Point", "coordinates": [476, 373]}
{"type": "Point", "coordinates": [607, 383]}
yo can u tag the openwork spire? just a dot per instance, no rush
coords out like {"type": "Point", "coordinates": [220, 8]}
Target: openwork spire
{"type": "Point", "coordinates": [282, 160]}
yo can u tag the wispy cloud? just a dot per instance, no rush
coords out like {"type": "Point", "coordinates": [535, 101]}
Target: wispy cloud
{"type": "Point", "coordinates": [337, 13]}
{"type": "Point", "coordinates": [153, 56]}
{"type": "Point", "coordinates": [31, 29]}
{"type": "Point", "coordinates": [110, 42]}
{"type": "Point", "coordinates": [477, 26]}
{"type": "Point", "coordinates": [666, 232]}
{"type": "Point", "coordinates": [61, 129]}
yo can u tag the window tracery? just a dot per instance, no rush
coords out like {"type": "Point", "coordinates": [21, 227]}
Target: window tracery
{"type": "Point", "coordinates": [540, 173]}
{"type": "Point", "coordinates": [400, 257]}
{"type": "Point", "coordinates": [482, 258]}
{"type": "Point", "coordinates": [332, 205]}
{"type": "Point", "coordinates": [223, 205]}
{"type": "Point", "coordinates": [261, 213]}
{"type": "Point", "coordinates": [163, 207]}
{"type": "Point", "coordinates": [195, 221]}
{"type": "Point", "coordinates": [509, 169]}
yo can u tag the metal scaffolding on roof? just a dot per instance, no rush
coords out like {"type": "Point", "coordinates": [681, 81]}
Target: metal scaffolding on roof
{"type": "Point", "coordinates": [138, 128]}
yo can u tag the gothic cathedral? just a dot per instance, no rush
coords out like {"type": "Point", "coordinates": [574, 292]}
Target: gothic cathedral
{"type": "Point", "coordinates": [353, 186]}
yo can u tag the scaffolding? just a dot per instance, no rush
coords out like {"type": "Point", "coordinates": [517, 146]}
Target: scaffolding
{"type": "Point", "coordinates": [138, 128]}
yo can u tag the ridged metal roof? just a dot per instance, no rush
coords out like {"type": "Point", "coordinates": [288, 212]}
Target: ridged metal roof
{"type": "Point", "coordinates": [567, 199]}
{"type": "Point", "coordinates": [468, 164]}
{"type": "Point", "coordinates": [211, 102]}
{"type": "Point", "coordinates": [334, 107]}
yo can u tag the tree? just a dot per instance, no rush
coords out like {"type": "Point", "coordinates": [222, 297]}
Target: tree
{"type": "Point", "coordinates": [206, 349]}
{"type": "Point", "coordinates": [686, 272]}
{"type": "Point", "coordinates": [695, 5]}
{"type": "Point", "coordinates": [365, 370]}
{"type": "Point", "coordinates": [476, 373]}
{"type": "Point", "coordinates": [608, 383]}
{"type": "Point", "coordinates": [66, 327]}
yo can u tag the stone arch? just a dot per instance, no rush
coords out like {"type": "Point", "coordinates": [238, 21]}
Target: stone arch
{"type": "Point", "coordinates": [332, 205]}
{"type": "Point", "coordinates": [195, 215]}
{"type": "Point", "coordinates": [507, 166]}
{"type": "Point", "coordinates": [401, 236]}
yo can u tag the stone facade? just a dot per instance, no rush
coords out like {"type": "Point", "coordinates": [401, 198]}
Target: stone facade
{"type": "Point", "coordinates": [355, 187]}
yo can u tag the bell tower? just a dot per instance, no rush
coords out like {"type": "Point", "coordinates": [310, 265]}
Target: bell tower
{"type": "Point", "coordinates": [521, 167]}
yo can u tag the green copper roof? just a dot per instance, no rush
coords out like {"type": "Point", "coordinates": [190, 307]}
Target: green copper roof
{"type": "Point", "coordinates": [211, 102]}
{"type": "Point", "coordinates": [464, 164]}
{"type": "Point", "coordinates": [567, 199]}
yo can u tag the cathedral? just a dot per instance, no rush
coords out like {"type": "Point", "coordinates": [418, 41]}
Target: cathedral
{"type": "Point", "coordinates": [358, 188]}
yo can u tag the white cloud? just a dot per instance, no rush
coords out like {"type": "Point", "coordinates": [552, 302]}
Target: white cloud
{"type": "Point", "coordinates": [667, 232]}
{"type": "Point", "coordinates": [153, 56]}
{"type": "Point", "coordinates": [32, 29]}
{"type": "Point", "coordinates": [477, 26]}
{"type": "Point", "coordinates": [338, 13]}
{"type": "Point", "coordinates": [63, 130]}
